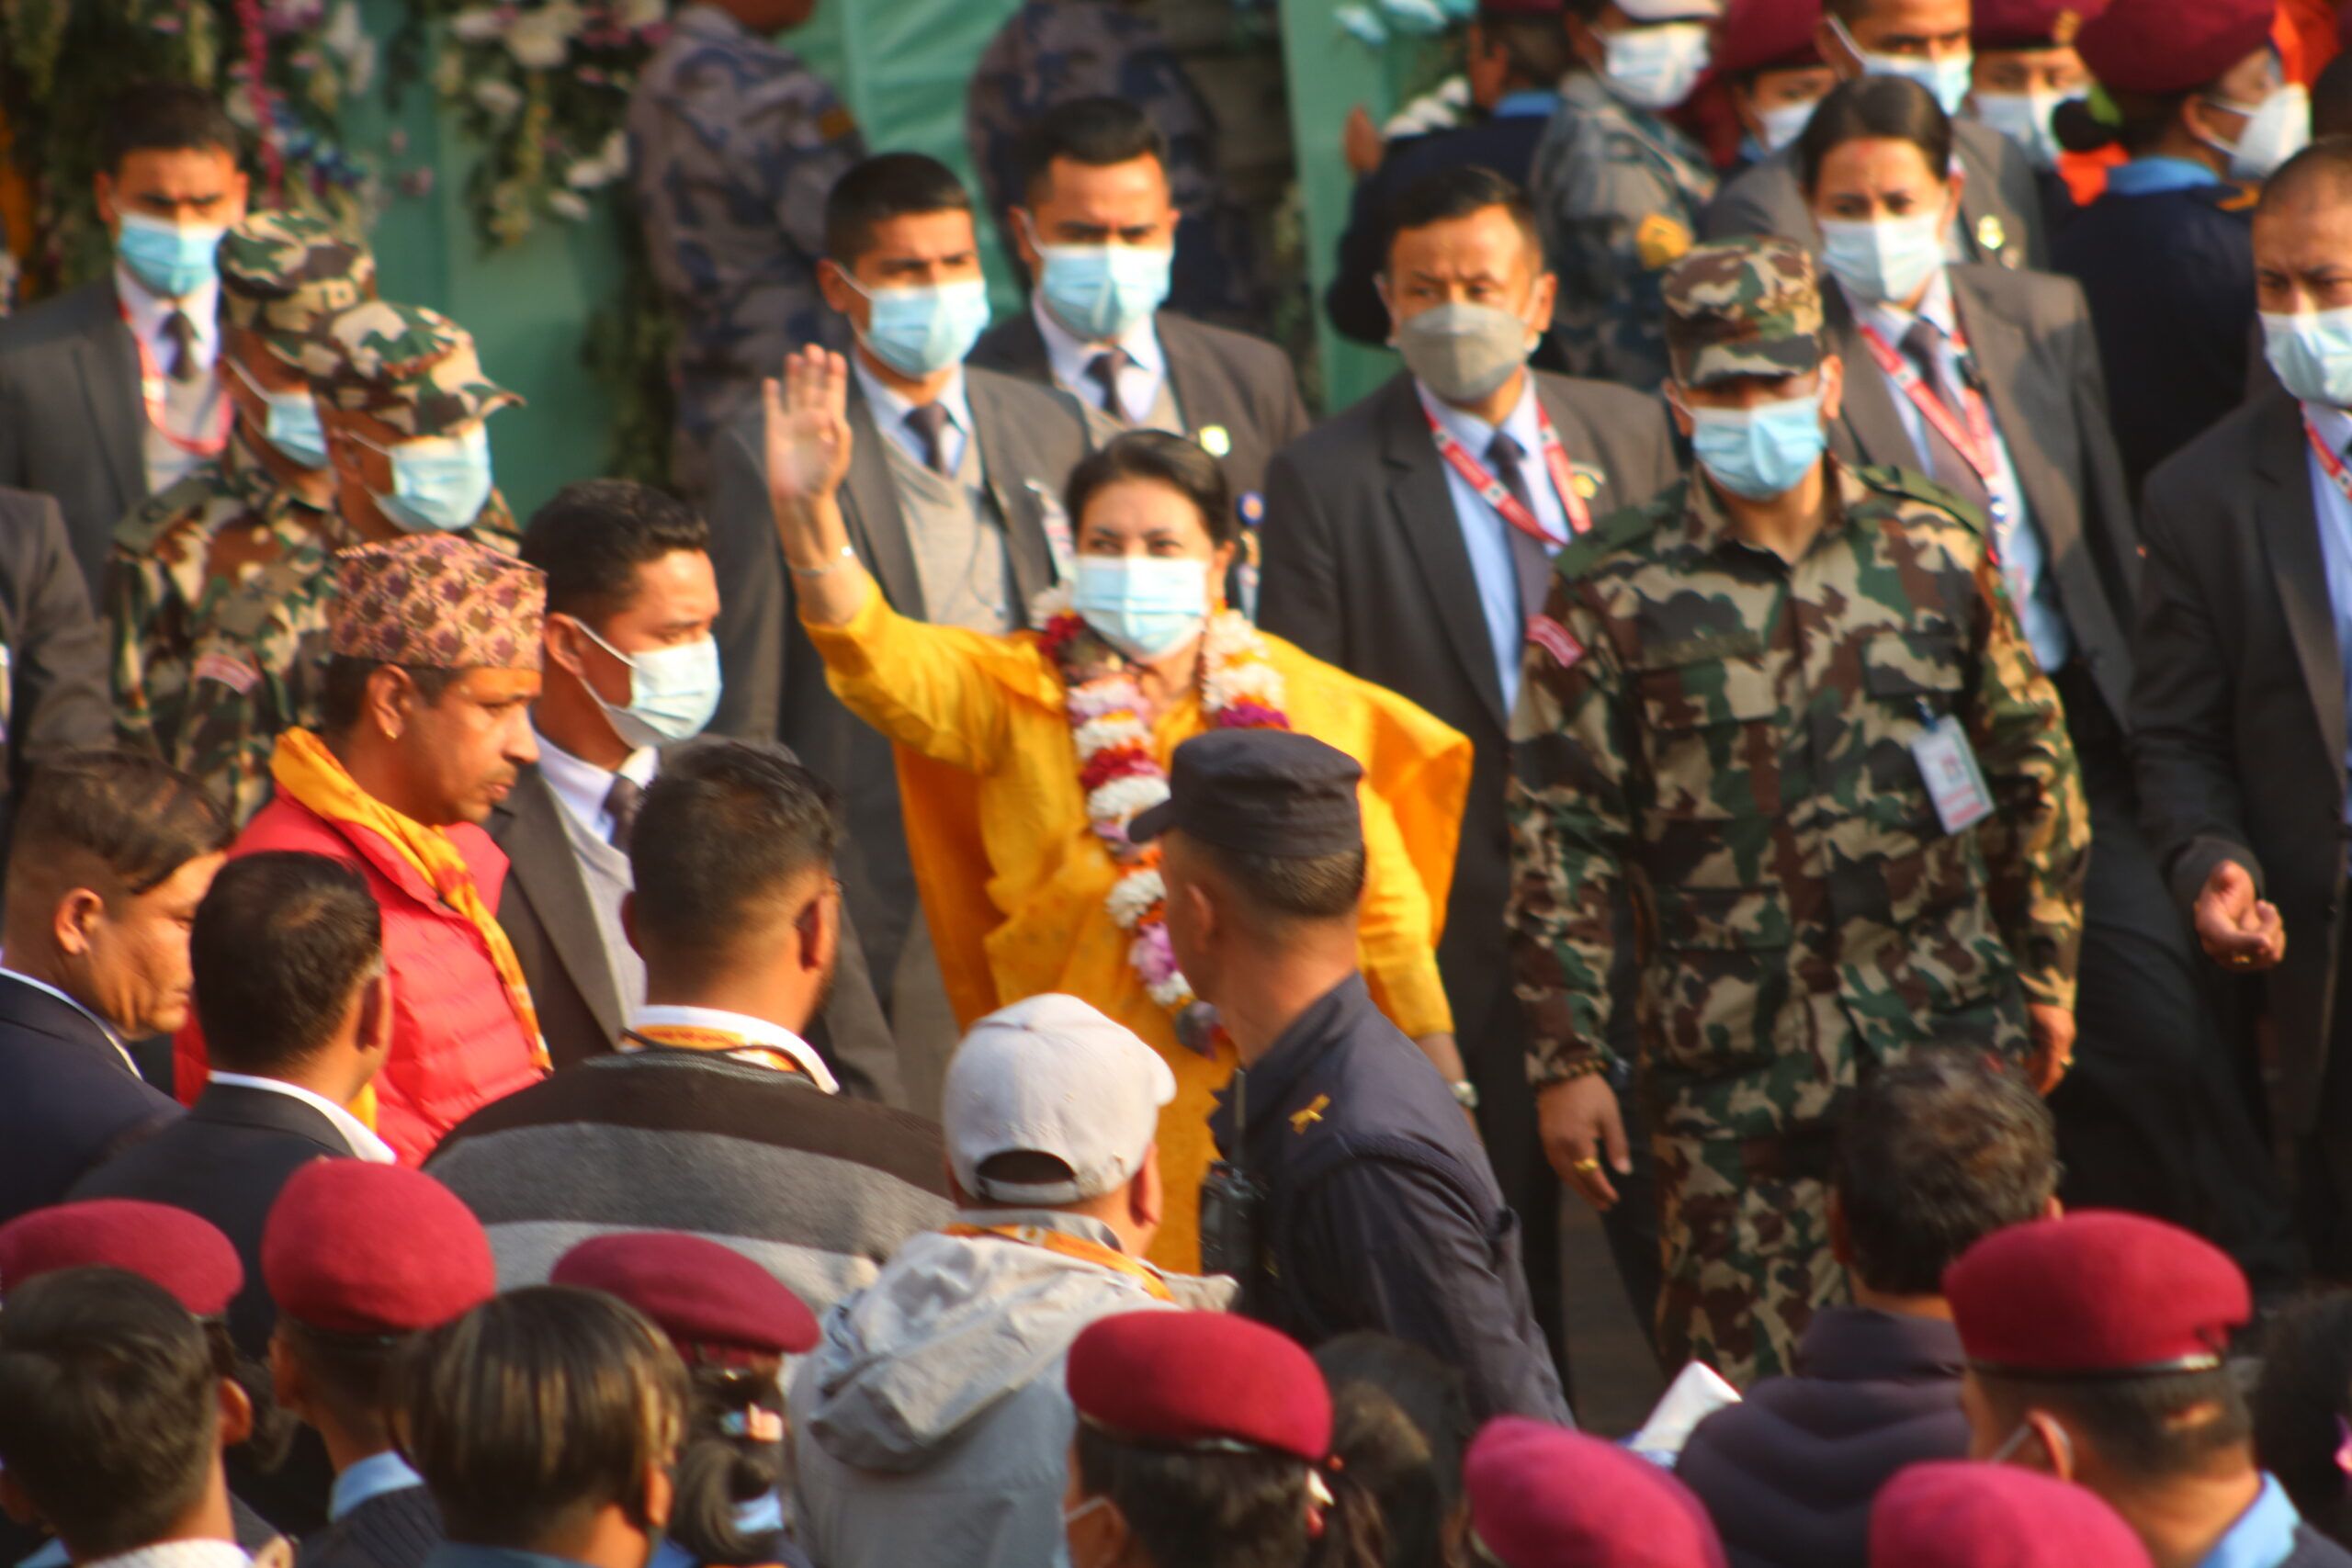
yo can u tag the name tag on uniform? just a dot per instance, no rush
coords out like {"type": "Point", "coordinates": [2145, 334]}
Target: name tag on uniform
{"type": "Point", "coordinates": [1947, 767]}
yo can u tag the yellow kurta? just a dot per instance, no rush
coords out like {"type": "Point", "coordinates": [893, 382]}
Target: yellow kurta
{"type": "Point", "coordinates": [1013, 879]}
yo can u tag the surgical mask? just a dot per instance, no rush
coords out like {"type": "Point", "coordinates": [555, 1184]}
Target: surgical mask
{"type": "Point", "coordinates": [1103, 292]}
{"type": "Point", "coordinates": [1946, 77]}
{"type": "Point", "coordinates": [170, 258]}
{"type": "Point", "coordinates": [1463, 352]}
{"type": "Point", "coordinates": [1884, 261]}
{"type": "Point", "coordinates": [1655, 67]}
{"type": "Point", "coordinates": [673, 692]}
{"type": "Point", "coordinates": [922, 331]}
{"type": "Point", "coordinates": [2024, 118]}
{"type": "Point", "coordinates": [293, 423]}
{"type": "Point", "coordinates": [1783, 123]}
{"type": "Point", "coordinates": [439, 483]}
{"type": "Point", "coordinates": [2311, 352]}
{"type": "Point", "coordinates": [2275, 129]}
{"type": "Point", "coordinates": [1141, 605]}
{"type": "Point", "coordinates": [1760, 452]}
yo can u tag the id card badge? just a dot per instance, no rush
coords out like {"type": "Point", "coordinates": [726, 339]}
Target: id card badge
{"type": "Point", "coordinates": [1947, 767]}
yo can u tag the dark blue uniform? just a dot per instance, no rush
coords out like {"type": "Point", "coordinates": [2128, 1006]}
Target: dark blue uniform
{"type": "Point", "coordinates": [1381, 1212]}
{"type": "Point", "coordinates": [2166, 258]}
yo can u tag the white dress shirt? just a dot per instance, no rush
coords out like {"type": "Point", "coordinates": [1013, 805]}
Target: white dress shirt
{"type": "Point", "coordinates": [891, 410]}
{"type": "Point", "coordinates": [356, 1132]}
{"type": "Point", "coordinates": [148, 310]}
{"type": "Point", "coordinates": [1482, 529]}
{"type": "Point", "coordinates": [582, 787]}
{"type": "Point", "coordinates": [2334, 514]}
{"type": "Point", "coordinates": [1069, 355]}
{"type": "Point", "coordinates": [752, 1030]}
{"type": "Point", "coordinates": [103, 1026]}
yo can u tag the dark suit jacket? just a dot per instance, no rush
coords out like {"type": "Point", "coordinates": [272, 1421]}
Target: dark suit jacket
{"type": "Point", "coordinates": [545, 912]}
{"type": "Point", "coordinates": [71, 421]}
{"type": "Point", "coordinates": [1242, 384]}
{"type": "Point", "coordinates": [56, 694]}
{"type": "Point", "coordinates": [1030, 438]}
{"type": "Point", "coordinates": [391, 1529]}
{"type": "Point", "coordinates": [1365, 568]}
{"type": "Point", "coordinates": [2030, 334]}
{"type": "Point", "coordinates": [66, 1099]}
{"type": "Point", "coordinates": [2238, 701]}
{"type": "Point", "coordinates": [1998, 201]}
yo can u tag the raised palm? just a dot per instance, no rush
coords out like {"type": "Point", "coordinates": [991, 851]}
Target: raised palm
{"type": "Point", "coordinates": [807, 433]}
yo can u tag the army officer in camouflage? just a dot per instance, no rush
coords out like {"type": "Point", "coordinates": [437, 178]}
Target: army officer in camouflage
{"type": "Point", "coordinates": [1786, 713]}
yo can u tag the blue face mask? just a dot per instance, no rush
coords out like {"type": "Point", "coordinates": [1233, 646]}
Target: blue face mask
{"type": "Point", "coordinates": [920, 331]}
{"type": "Point", "coordinates": [1884, 261]}
{"type": "Point", "coordinates": [1760, 452]}
{"type": "Point", "coordinates": [1140, 606]}
{"type": "Point", "coordinates": [673, 692]}
{"type": "Point", "coordinates": [439, 483]}
{"type": "Point", "coordinates": [2311, 352]}
{"type": "Point", "coordinates": [1102, 292]}
{"type": "Point", "coordinates": [168, 258]}
{"type": "Point", "coordinates": [293, 424]}
{"type": "Point", "coordinates": [1948, 77]}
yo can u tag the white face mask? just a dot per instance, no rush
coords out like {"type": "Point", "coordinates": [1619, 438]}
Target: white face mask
{"type": "Point", "coordinates": [1886, 261]}
{"type": "Point", "coordinates": [1655, 67]}
{"type": "Point", "coordinates": [2024, 118]}
{"type": "Point", "coordinates": [1783, 123]}
{"type": "Point", "coordinates": [1948, 77]}
{"type": "Point", "coordinates": [2275, 129]}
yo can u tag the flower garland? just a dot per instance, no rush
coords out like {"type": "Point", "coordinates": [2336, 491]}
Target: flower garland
{"type": "Point", "coordinates": [1240, 689]}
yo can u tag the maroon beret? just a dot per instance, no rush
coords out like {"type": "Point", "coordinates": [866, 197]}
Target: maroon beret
{"type": "Point", "coordinates": [2171, 45]}
{"type": "Point", "coordinates": [2098, 1292]}
{"type": "Point", "coordinates": [1951, 1513]}
{"type": "Point", "coordinates": [183, 1253]}
{"type": "Point", "coordinates": [358, 1248]}
{"type": "Point", "coordinates": [1542, 1497]}
{"type": "Point", "coordinates": [1767, 35]}
{"type": "Point", "coordinates": [1522, 7]}
{"type": "Point", "coordinates": [2030, 24]}
{"type": "Point", "coordinates": [697, 1290]}
{"type": "Point", "coordinates": [1199, 1378]}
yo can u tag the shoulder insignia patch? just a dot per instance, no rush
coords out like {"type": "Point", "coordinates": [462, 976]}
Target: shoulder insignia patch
{"type": "Point", "coordinates": [1660, 241]}
{"type": "Point", "coordinates": [1554, 639]}
{"type": "Point", "coordinates": [1301, 1119]}
{"type": "Point", "coordinates": [232, 669]}
{"type": "Point", "coordinates": [836, 123]}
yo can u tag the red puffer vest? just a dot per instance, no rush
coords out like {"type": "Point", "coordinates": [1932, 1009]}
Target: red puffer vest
{"type": "Point", "coordinates": [456, 1045]}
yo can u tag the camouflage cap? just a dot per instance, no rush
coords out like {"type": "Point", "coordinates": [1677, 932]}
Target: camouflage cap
{"type": "Point", "coordinates": [1742, 307]}
{"type": "Point", "coordinates": [439, 602]}
{"type": "Point", "coordinates": [412, 367]}
{"type": "Point", "coordinates": [284, 274]}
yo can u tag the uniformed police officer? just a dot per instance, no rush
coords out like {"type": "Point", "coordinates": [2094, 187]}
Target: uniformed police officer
{"type": "Point", "coordinates": [1617, 188]}
{"type": "Point", "coordinates": [1380, 1212]}
{"type": "Point", "coordinates": [1785, 712]}
{"type": "Point", "coordinates": [733, 143]}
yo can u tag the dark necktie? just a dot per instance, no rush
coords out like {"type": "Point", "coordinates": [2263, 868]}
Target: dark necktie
{"type": "Point", "coordinates": [621, 803]}
{"type": "Point", "coordinates": [930, 424]}
{"type": "Point", "coordinates": [1947, 467]}
{"type": "Point", "coordinates": [182, 332]}
{"type": "Point", "coordinates": [1103, 371]}
{"type": "Point", "coordinates": [1529, 562]}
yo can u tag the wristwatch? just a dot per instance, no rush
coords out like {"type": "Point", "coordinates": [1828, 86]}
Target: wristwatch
{"type": "Point", "coordinates": [1465, 1094]}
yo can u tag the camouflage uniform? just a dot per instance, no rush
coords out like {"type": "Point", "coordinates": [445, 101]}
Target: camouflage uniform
{"type": "Point", "coordinates": [733, 145]}
{"type": "Point", "coordinates": [1050, 51]}
{"type": "Point", "coordinates": [1618, 192]}
{"type": "Point", "coordinates": [1721, 741]}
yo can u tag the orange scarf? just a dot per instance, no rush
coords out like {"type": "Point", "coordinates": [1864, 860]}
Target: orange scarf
{"type": "Point", "coordinates": [307, 771]}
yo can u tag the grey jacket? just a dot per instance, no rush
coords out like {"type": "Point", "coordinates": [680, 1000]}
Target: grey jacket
{"type": "Point", "coordinates": [931, 1426]}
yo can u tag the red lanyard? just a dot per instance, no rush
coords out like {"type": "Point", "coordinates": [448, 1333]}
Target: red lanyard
{"type": "Point", "coordinates": [1497, 494]}
{"type": "Point", "coordinates": [151, 392]}
{"type": "Point", "coordinates": [1974, 444]}
{"type": "Point", "coordinates": [2330, 464]}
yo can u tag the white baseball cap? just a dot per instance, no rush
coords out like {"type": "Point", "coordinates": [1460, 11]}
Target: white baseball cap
{"type": "Point", "coordinates": [1052, 1075]}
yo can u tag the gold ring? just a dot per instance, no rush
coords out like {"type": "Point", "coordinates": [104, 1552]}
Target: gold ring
{"type": "Point", "coordinates": [1585, 1167]}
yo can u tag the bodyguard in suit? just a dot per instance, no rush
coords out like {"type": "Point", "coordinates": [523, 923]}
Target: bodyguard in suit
{"type": "Point", "coordinates": [112, 390]}
{"type": "Point", "coordinates": [1988, 381]}
{"type": "Point", "coordinates": [1408, 541]}
{"type": "Point", "coordinates": [952, 502]}
{"type": "Point", "coordinates": [52, 655]}
{"type": "Point", "coordinates": [2000, 218]}
{"type": "Point", "coordinates": [2240, 699]}
{"type": "Point", "coordinates": [1097, 230]}
{"type": "Point", "coordinates": [115, 851]}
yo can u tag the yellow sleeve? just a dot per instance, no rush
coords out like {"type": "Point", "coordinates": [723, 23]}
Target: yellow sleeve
{"type": "Point", "coordinates": [1397, 940]}
{"type": "Point", "coordinates": [941, 691]}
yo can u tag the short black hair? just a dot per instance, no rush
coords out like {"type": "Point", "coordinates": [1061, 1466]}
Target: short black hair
{"type": "Point", "coordinates": [1094, 132]}
{"type": "Point", "coordinates": [727, 827]}
{"type": "Point", "coordinates": [1889, 108]}
{"type": "Point", "coordinates": [1536, 48]}
{"type": "Point", "coordinates": [2149, 1429]}
{"type": "Point", "coordinates": [343, 689]}
{"type": "Point", "coordinates": [164, 117]}
{"type": "Point", "coordinates": [1236, 1510]}
{"type": "Point", "coordinates": [1176, 461]}
{"type": "Point", "coordinates": [1283, 889]}
{"type": "Point", "coordinates": [535, 1409]}
{"type": "Point", "coordinates": [348, 1373]}
{"type": "Point", "coordinates": [1444, 195]}
{"type": "Point", "coordinates": [1401, 1423]}
{"type": "Point", "coordinates": [2332, 100]}
{"type": "Point", "coordinates": [591, 536]}
{"type": "Point", "coordinates": [2302, 1403]}
{"type": "Point", "coordinates": [109, 1406]}
{"type": "Point", "coordinates": [136, 814]}
{"type": "Point", "coordinates": [2325, 163]}
{"type": "Point", "coordinates": [282, 944]}
{"type": "Point", "coordinates": [887, 185]}
{"type": "Point", "coordinates": [1932, 1156]}
{"type": "Point", "coordinates": [723, 1465]}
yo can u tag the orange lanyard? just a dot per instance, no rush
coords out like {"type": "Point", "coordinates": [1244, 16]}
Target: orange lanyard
{"type": "Point", "coordinates": [1974, 443]}
{"type": "Point", "coordinates": [721, 1042]}
{"type": "Point", "coordinates": [1076, 1247]}
{"type": "Point", "coordinates": [151, 393]}
{"type": "Point", "coordinates": [1497, 494]}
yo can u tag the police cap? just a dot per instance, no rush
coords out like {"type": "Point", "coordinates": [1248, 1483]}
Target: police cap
{"type": "Point", "coordinates": [181, 1252]}
{"type": "Point", "coordinates": [2155, 47]}
{"type": "Point", "coordinates": [351, 1247]}
{"type": "Point", "coordinates": [1204, 1380]}
{"type": "Point", "coordinates": [1260, 792]}
{"type": "Point", "coordinates": [705, 1296]}
{"type": "Point", "coordinates": [1542, 1497]}
{"type": "Point", "coordinates": [2096, 1294]}
{"type": "Point", "coordinates": [1953, 1514]}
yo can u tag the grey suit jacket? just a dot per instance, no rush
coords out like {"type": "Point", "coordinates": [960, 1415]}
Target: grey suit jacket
{"type": "Point", "coordinates": [545, 912]}
{"type": "Point", "coordinates": [71, 423]}
{"type": "Point", "coordinates": [1222, 380]}
{"type": "Point", "coordinates": [55, 698]}
{"type": "Point", "coordinates": [2037, 362]}
{"type": "Point", "coordinates": [1030, 438]}
{"type": "Point", "coordinates": [2000, 207]}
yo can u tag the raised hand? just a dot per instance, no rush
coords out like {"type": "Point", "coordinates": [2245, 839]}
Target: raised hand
{"type": "Point", "coordinates": [807, 436]}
